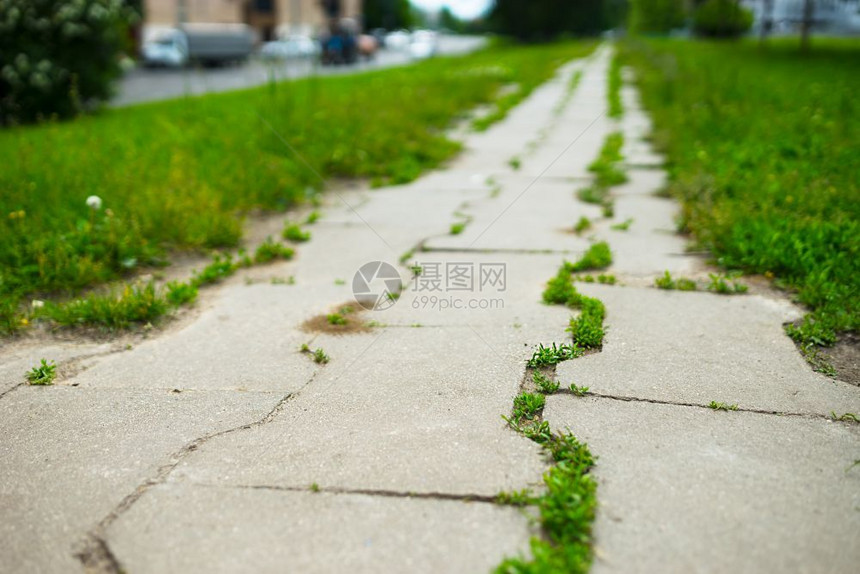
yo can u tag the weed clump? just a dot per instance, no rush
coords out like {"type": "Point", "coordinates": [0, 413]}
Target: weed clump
{"type": "Point", "coordinates": [42, 374]}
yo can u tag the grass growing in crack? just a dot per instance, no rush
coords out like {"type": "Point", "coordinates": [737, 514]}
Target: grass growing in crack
{"type": "Point", "coordinates": [722, 406]}
{"type": "Point", "coordinates": [313, 217]}
{"type": "Point", "coordinates": [457, 228]}
{"type": "Point", "coordinates": [314, 487]}
{"type": "Point", "coordinates": [548, 356]}
{"type": "Point", "coordinates": [846, 417]}
{"type": "Point", "coordinates": [522, 497]}
{"type": "Point", "coordinates": [818, 363]}
{"type": "Point", "coordinates": [616, 109]}
{"type": "Point", "coordinates": [587, 328]}
{"type": "Point", "coordinates": [42, 374]}
{"type": "Point", "coordinates": [577, 390]}
{"type": "Point", "coordinates": [593, 194]}
{"type": "Point", "coordinates": [583, 224]}
{"type": "Point", "coordinates": [527, 406]}
{"type": "Point", "coordinates": [624, 226]}
{"type": "Point", "coordinates": [668, 283]}
{"type": "Point", "coordinates": [515, 163]}
{"type": "Point", "coordinates": [598, 256]}
{"type": "Point", "coordinates": [292, 232]}
{"type": "Point", "coordinates": [567, 508]}
{"type": "Point", "coordinates": [270, 251]}
{"type": "Point", "coordinates": [544, 384]}
{"type": "Point", "coordinates": [726, 284]}
{"type": "Point", "coordinates": [605, 167]}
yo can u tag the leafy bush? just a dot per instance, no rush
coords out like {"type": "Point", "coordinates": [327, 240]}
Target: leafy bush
{"type": "Point", "coordinates": [58, 57]}
{"type": "Point", "coordinates": [656, 16]}
{"type": "Point", "coordinates": [722, 19]}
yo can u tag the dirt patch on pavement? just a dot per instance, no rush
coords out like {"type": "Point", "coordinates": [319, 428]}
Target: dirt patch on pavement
{"type": "Point", "coordinates": [345, 319]}
{"type": "Point", "coordinates": [845, 358]}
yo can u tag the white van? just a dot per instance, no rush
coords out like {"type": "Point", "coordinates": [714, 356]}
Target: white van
{"type": "Point", "coordinates": [204, 43]}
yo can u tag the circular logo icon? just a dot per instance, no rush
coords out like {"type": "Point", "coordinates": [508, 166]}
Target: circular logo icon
{"type": "Point", "coordinates": [376, 286]}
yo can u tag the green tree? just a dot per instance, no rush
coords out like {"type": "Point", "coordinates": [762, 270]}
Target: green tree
{"type": "Point", "coordinates": [722, 19]}
{"type": "Point", "coordinates": [535, 20]}
{"type": "Point", "coordinates": [58, 57]}
{"type": "Point", "coordinates": [656, 16]}
{"type": "Point", "coordinates": [388, 14]}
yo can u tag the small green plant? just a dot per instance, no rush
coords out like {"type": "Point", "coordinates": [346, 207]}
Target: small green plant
{"type": "Point", "coordinates": [43, 374]}
{"type": "Point", "coordinates": [616, 109]}
{"type": "Point", "coordinates": [846, 417]}
{"type": "Point", "coordinates": [725, 284]}
{"type": "Point", "coordinates": [587, 329]}
{"type": "Point", "coordinates": [314, 487]}
{"type": "Point", "coordinates": [292, 232]}
{"type": "Point", "coordinates": [522, 497]}
{"type": "Point", "coordinates": [220, 268]}
{"type": "Point", "coordinates": [180, 293]}
{"type": "Point", "coordinates": [269, 251]}
{"type": "Point", "coordinates": [416, 270]}
{"type": "Point", "coordinates": [320, 357]}
{"type": "Point", "coordinates": [527, 406]}
{"type": "Point", "coordinates": [623, 226]}
{"type": "Point", "coordinates": [593, 194]}
{"type": "Point", "coordinates": [607, 279]}
{"type": "Point", "coordinates": [515, 163]}
{"type": "Point", "coordinates": [340, 281]}
{"type": "Point", "coordinates": [598, 256]}
{"type": "Point", "coordinates": [681, 284]}
{"type": "Point", "coordinates": [578, 391]}
{"type": "Point", "coordinates": [722, 406]}
{"type": "Point", "coordinates": [665, 282]}
{"type": "Point", "coordinates": [548, 356]}
{"type": "Point", "coordinates": [544, 384]}
{"type": "Point", "coordinates": [313, 217]}
{"type": "Point", "coordinates": [582, 225]}
{"type": "Point", "coordinates": [457, 228]}
{"type": "Point", "coordinates": [336, 319]}
{"type": "Point", "coordinates": [305, 348]}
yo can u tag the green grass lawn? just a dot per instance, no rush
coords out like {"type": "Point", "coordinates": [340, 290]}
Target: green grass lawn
{"type": "Point", "coordinates": [764, 154]}
{"type": "Point", "coordinates": [181, 174]}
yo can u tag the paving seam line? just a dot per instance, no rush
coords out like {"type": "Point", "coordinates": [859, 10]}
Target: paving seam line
{"type": "Point", "coordinates": [94, 552]}
{"type": "Point", "coordinates": [383, 493]}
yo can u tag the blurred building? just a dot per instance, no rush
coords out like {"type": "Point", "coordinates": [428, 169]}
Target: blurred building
{"type": "Point", "coordinates": [269, 18]}
{"type": "Point", "coordinates": [838, 17]}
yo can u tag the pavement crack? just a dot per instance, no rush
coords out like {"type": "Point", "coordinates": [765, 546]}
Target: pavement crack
{"type": "Point", "coordinates": [94, 550]}
{"type": "Point", "coordinates": [630, 399]}
{"type": "Point", "coordinates": [384, 493]}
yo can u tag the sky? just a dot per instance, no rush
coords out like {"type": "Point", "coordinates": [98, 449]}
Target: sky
{"type": "Point", "coordinates": [461, 8]}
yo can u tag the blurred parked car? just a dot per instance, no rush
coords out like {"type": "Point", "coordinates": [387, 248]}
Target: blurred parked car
{"type": "Point", "coordinates": [423, 44]}
{"type": "Point", "coordinates": [397, 40]}
{"type": "Point", "coordinates": [204, 43]}
{"type": "Point", "coordinates": [291, 47]}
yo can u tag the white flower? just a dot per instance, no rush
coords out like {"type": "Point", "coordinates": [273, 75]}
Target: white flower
{"type": "Point", "coordinates": [37, 304]}
{"type": "Point", "coordinates": [94, 202]}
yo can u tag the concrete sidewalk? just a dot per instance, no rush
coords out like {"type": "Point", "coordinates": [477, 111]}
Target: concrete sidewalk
{"type": "Point", "coordinates": [216, 446]}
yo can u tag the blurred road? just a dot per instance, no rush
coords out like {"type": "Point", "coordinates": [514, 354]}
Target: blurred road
{"type": "Point", "coordinates": [147, 85]}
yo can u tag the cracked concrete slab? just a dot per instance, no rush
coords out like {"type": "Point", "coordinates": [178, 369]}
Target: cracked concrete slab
{"type": "Point", "coordinates": [435, 393]}
{"type": "Point", "coordinates": [251, 343]}
{"type": "Point", "coordinates": [698, 347]}
{"type": "Point", "coordinates": [70, 455]}
{"type": "Point", "coordinates": [275, 531]}
{"type": "Point", "coordinates": [692, 490]}
{"type": "Point", "coordinates": [17, 360]}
